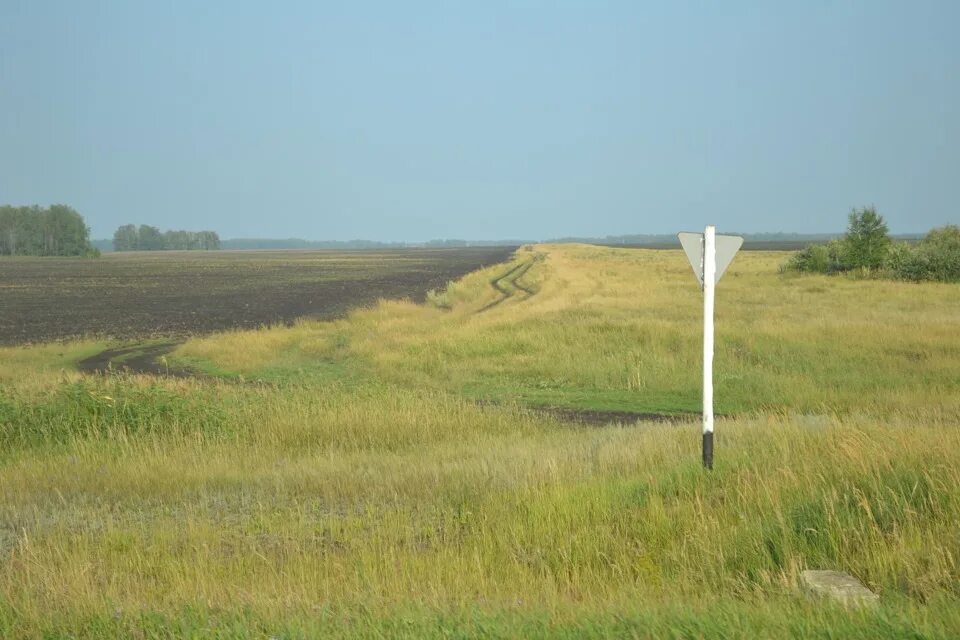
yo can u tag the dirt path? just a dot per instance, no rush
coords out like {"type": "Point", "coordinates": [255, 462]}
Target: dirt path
{"type": "Point", "coordinates": [601, 417]}
{"type": "Point", "coordinates": [511, 278]}
{"type": "Point", "coordinates": [151, 360]}
{"type": "Point", "coordinates": [138, 358]}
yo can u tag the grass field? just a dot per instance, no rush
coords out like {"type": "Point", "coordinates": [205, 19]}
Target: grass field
{"type": "Point", "coordinates": [387, 474]}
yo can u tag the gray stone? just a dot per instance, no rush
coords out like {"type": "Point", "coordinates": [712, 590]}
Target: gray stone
{"type": "Point", "coordinates": [813, 420]}
{"type": "Point", "coordinates": [840, 586]}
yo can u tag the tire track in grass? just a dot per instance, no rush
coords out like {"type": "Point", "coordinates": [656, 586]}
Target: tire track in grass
{"type": "Point", "coordinates": [139, 358]}
{"type": "Point", "coordinates": [599, 417]}
{"type": "Point", "coordinates": [508, 284]}
{"type": "Point", "coordinates": [150, 359]}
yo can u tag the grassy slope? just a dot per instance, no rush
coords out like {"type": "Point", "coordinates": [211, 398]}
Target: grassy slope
{"type": "Point", "coordinates": [621, 329]}
{"type": "Point", "coordinates": [363, 495]}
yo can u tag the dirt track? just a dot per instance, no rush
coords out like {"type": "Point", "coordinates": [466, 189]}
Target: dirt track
{"type": "Point", "coordinates": [509, 284]}
{"type": "Point", "coordinates": [600, 417]}
{"type": "Point", "coordinates": [147, 359]}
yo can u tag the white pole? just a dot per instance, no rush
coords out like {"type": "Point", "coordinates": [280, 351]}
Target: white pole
{"type": "Point", "coordinates": [709, 278]}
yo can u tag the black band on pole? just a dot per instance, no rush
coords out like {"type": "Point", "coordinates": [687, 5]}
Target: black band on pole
{"type": "Point", "coordinates": [708, 449]}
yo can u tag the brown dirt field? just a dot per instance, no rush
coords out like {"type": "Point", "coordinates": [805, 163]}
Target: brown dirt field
{"type": "Point", "coordinates": [139, 295]}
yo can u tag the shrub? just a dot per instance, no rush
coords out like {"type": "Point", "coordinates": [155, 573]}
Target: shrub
{"type": "Point", "coordinates": [944, 240]}
{"type": "Point", "coordinates": [904, 262]}
{"type": "Point", "coordinates": [936, 257]}
{"type": "Point", "coordinates": [819, 258]}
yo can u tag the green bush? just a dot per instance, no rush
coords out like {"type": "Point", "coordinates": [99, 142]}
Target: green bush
{"type": "Point", "coordinates": [936, 257]}
{"type": "Point", "coordinates": [819, 258]}
{"type": "Point", "coordinates": [903, 262]}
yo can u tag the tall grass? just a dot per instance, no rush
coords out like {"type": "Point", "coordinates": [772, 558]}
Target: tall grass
{"type": "Point", "coordinates": [460, 506]}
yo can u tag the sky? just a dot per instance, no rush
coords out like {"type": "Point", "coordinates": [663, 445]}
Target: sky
{"type": "Point", "coordinates": [411, 121]}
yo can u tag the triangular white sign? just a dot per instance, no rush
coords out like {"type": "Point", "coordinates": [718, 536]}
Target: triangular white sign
{"type": "Point", "coordinates": [726, 246]}
{"type": "Point", "coordinates": [693, 246]}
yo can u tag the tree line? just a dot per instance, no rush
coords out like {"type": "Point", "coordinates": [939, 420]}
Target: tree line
{"type": "Point", "coordinates": [57, 230]}
{"type": "Point", "coordinates": [130, 237]}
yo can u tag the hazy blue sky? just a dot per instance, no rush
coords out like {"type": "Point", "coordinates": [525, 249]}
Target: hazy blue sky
{"type": "Point", "coordinates": [411, 121]}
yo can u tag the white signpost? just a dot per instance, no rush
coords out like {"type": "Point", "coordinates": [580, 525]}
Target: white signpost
{"type": "Point", "coordinates": [709, 255]}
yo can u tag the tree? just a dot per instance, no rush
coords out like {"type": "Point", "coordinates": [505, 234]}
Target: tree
{"type": "Point", "coordinates": [209, 240]}
{"type": "Point", "coordinates": [10, 230]}
{"type": "Point", "coordinates": [867, 242]}
{"type": "Point", "coordinates": [32, 231]}
{"type": "Point", "coordinates": [177, 239]}
{"type": "Point", "coordinates": [65, 233]}
{"type": "Point", "coordinates": [125, 238]}
{"type": "Point", "coordinates": [150, 238]}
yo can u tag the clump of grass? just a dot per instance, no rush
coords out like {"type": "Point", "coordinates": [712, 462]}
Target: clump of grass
{"type": "Point", "coordinates": [113, 407]}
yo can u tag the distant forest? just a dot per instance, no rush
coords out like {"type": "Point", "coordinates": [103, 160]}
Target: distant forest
{"type": "Point", "coordinates": [298, 243]}
{"type": "Point", "coordinates": [753, 240]}
{"type": "Point", "coordinates": [776, 241]}
{"type": "Point", "coordinates": [146, 238]}
{"type": "Point", "coordinates": [35, 231]}
{"type": "Point", "coordinates": [658, 241]}
{"type": "Point", "coordinates": [756, 241]}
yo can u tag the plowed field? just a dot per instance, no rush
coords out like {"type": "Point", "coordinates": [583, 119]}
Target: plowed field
{"type": "Point", "coordinates": [175, 294]}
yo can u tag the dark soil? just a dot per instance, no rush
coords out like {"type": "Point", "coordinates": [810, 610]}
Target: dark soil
{"type": "Point", "coordinates": [134, 359]}
{"type": "Point", "coordinates": [600, 417]}
{"type": "Point", "coordinates": [172, 295]}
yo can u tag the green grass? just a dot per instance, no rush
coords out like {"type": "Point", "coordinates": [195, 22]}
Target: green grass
{"type": "Point", "coordinates": [360, 491]}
